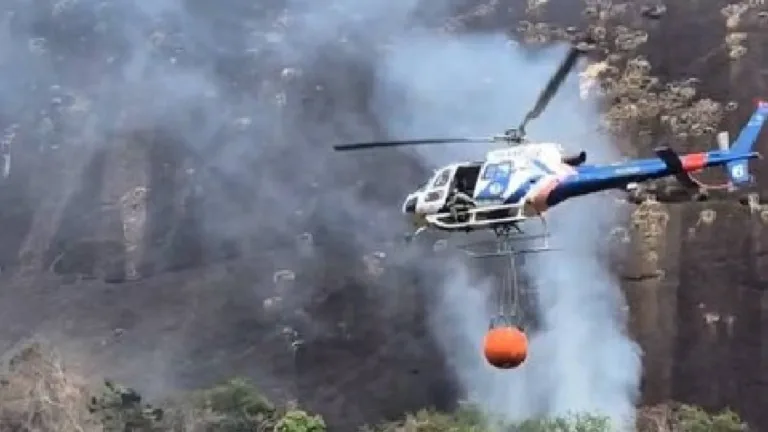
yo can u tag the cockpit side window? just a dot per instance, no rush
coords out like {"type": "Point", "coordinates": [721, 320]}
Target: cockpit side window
{"type": "Point", "coordinates": [443, 178]}
{"type": "Point", "coordinates": [497, 169]}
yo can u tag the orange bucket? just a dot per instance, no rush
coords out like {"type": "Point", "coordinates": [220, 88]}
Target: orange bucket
{"type": "Point", "coordinates": [505, 347]}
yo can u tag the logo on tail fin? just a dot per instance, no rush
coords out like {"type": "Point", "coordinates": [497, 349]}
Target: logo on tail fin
{"type": "Point", "coordinates": [738, 172]}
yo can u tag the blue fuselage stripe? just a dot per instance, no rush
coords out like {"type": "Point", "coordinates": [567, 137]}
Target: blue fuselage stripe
{"type": "Point", "coordinates": [595, 178]}
{"type": "Point", "coordinates": [523, 190]}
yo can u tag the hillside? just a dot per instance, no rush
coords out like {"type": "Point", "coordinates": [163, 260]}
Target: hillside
{"type": "Point", "coordinates": [40, 393]}
{"type": "Point", "coordinates": [173, 217]}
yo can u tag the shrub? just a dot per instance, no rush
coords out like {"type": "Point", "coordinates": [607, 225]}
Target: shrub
{"type": "Point", "coordinates": [38, 394]}
{"type": "Point", "coordinates": [469, 419]}
{"type": "Point", "coordinates": [694, 419]}
{"type": "Point", "coordinates": [664, 418]}
{"type": "Point", "coordinates": [296, 420]}
{"type": "Point", "coordinates": [120, 408]}
{"type": "Point", "coordinates": [434, 421]}
{"type": "Point", "coordinates": [575, 423]}
{"type": "Point", "coordinates": [233, 406]}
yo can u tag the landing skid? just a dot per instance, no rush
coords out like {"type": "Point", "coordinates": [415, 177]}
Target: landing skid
{"type": "Point", "coordinates": [478, 218]}
{"type": "Point", "coordinates": [504, 228]}
{"type": "Point", "coordinates": [504, 220]}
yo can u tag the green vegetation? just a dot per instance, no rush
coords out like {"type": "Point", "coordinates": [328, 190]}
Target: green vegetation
{"type": "Point", "coordinates": [38, 394]}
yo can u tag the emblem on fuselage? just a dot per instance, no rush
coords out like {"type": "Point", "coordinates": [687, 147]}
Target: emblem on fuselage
{"type": "Point", "coordinates": [496, 188]}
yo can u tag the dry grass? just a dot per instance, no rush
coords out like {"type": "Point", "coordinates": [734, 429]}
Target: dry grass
{"type": "Point", "coordinates": [39, 394]}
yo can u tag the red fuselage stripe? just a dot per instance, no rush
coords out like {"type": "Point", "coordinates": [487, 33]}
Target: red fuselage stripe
{"type": "Point", "coordinates": [694, 161]}
{"type": "Point", "coordinates": [539, 199]}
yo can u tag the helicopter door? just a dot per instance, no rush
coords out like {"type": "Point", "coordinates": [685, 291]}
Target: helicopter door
{"type": "Point", "coordinates": [436, 192]}
{"type": "Point", "coordinates": [494, 182]}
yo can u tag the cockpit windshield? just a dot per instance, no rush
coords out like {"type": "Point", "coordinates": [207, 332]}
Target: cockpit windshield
{"type": "Point", "coordinates": [500, 169]}
{"type": "Point", "coordinates": [443, 178]}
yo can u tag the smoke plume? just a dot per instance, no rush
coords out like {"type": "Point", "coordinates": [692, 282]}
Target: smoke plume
{"type": "Point", "coordinates": [250, 96]}
{"type": "Point", "coordinates": [243, 101]}
{"type": "Point", "coordinates": [581, 360]}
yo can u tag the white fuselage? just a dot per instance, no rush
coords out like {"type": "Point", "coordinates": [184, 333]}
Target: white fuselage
{"type": "Point", "coordinates": [510, 176]}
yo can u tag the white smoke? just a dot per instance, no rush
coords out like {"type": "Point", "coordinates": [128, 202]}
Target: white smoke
{"type": "Point", "coordinates": [582, 360]}
{"type": "Point", "coordinates": [150, 63]}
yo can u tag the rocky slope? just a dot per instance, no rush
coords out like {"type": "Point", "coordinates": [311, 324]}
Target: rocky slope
{"type": "Point", "coordinates": [109, 250]}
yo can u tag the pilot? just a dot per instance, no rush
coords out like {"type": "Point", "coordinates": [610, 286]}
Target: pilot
{"type": "Point", "coordinates": [459, 200]}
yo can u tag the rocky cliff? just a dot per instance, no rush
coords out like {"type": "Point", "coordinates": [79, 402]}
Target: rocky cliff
{"type": "Point", "coordinates": [108, 248]}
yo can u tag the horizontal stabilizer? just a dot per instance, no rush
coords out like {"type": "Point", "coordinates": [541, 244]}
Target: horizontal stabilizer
{"type": "Point", "coordinates": [675, 166]}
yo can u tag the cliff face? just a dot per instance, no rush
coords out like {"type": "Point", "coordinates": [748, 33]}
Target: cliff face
{"type": "Point", "coordinates": [105, 249]}
{"type": "Point", "coordinates": [720, 312]}
{"type": "Point", "coordinates": [699, 314]}
{"type": "Point", "coordinates": [699, 309]}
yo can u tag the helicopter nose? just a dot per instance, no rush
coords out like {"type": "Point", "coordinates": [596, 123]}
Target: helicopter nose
{"type": "Point", "coordinates": [409, 206]}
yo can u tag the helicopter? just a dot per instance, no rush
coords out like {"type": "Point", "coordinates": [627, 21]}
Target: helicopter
{"type": "Point", "coordinates": [526, 179]}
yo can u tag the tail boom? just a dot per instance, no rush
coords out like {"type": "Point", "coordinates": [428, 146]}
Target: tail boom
{"type": "Point", "coordinates": [594, 178]}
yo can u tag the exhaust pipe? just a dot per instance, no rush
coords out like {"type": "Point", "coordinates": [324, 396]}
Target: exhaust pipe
{"type": "Point", "coordinates": [723, 140]}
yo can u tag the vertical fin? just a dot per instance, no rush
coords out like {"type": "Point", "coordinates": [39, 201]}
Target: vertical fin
{"type": "Point", "coordinates": [738, 170]}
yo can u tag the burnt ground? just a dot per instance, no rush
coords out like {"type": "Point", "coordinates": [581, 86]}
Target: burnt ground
{"type": "Point", "coordinates": [198, 327]}
{"type": "Point", "coordinates": [196, 314]}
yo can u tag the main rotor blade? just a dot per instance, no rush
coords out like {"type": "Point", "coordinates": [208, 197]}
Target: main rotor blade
{"type": "Point", "coordinates": [376, 144]}
{"type": "Point", "coordinates": [552, 86]}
